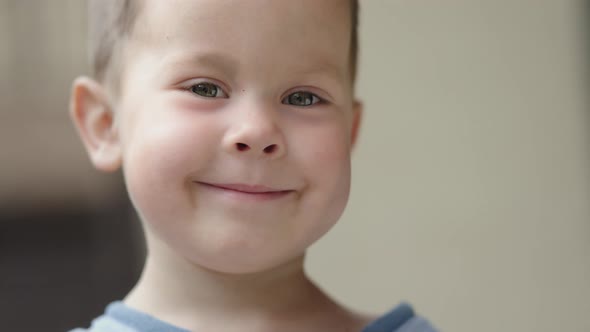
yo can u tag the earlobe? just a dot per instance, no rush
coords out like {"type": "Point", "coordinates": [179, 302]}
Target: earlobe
{"type": "Point", "coordinates": [357, 116]}
{"type": "Point", "coordinates": [93, 117]}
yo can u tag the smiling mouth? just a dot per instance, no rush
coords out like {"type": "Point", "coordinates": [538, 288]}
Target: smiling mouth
{"type": "Point", "coordinates": [247, 191]}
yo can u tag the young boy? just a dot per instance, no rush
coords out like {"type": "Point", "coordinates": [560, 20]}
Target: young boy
{"type": "Point", "coordinates": [233, 122]}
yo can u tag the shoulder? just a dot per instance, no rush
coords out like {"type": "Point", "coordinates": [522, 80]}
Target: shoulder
{"type": "Point", "coordinates": [402, 318]}
{"type": "Point", "coordinates": [120, 318]}
{"type": "Point", "coordinates": [105, 324]}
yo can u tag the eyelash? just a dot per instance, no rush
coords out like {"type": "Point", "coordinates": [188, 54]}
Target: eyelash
{"type": "Point", "coordinates": [315, 99]}
{"type": "Point", "coordinates": [213, 85]}
{"type": "Point", "coordinates": [313, 96]}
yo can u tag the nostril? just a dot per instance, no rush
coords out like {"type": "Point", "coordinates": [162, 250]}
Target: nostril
{"type": "Point", "coordinates": [242, 147]}
{"type": "Point", "coordinates": [270, 149]}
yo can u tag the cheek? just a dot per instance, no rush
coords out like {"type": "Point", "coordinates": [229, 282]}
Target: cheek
{"type": "Point", "coordinates": [325, 159]}
{"type": "Point", "coordinates": [327, 152]}
{"type": "Point", "coordinates": [162, 152]}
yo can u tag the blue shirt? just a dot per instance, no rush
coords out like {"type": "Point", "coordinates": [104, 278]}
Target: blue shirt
{"type": "Point", "coordinates": [120, 318]}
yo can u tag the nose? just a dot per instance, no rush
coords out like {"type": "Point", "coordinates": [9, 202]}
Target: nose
{"type": "Point", "coordinates": [256, 133]}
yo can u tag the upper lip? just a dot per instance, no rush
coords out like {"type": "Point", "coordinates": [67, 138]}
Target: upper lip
{"type": "Point", "coordinates": [247, 188]}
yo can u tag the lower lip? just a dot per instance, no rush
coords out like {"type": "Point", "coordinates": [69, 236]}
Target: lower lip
{"type": "Point", "coordinates": [264, 196]}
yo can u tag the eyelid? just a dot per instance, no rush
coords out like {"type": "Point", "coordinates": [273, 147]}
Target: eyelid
{"type": "Point", "coordinates": [324, 97]}
{"type": "Point", "coordinates": [319, 100]}
{"type": "Point", "coordinates": [190, 83]}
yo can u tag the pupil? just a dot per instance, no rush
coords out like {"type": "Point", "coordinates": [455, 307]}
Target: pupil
{"type": "Point", "coordinates": [300, 99]}
{"type": "Point", "coordinates": [207, 90]}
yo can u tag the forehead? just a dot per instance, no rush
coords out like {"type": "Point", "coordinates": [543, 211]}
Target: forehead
{"type": "Point", "coordinates": [304, 34]}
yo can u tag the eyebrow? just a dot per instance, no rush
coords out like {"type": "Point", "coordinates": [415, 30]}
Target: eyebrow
{"type": "Point", "coordinates": [230, 65]}
{"type": "Point", "coordinates": [322, 67]}
{"type": "Point", "coordinates": [223, 62]}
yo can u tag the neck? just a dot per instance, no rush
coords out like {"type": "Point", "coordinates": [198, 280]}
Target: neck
{"type": "Point", "coordinates": [185, 294]}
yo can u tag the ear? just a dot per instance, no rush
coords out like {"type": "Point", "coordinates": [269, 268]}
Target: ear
{"type": "Point", "coordinates": [357, 116]}
{"type": "Point", "coordinates": [93, 117]}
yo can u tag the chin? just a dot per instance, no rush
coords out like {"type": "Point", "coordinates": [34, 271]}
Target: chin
{"type": "Point", "coordinates": [244, 263]}
{"type": "Point", "coordinates": [246, 252]}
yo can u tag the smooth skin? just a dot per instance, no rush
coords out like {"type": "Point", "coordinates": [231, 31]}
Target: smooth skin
{"type": "Point", "coordinates": [234, 124]}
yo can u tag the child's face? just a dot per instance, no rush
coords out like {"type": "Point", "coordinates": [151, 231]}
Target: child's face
{"type": "Point", "coordinates": [216, 92]}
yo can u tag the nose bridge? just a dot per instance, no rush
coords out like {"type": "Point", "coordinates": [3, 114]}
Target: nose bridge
{"type": "Point", "coordinates": [255, 130]}
{"type": "Point", "coordinates": [260, 117]}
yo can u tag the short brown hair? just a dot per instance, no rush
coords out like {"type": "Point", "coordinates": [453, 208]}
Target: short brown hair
{"type": "Point", "coordinates": [112, 21]}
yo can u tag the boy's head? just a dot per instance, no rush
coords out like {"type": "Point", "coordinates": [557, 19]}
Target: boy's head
{"type": "Point", "coordinates": [233, 122]}
{"type": "Point", "coordinates": [111, 23]}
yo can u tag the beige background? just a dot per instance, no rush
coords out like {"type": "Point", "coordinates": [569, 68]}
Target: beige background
{"type": "Point", "coordinates": [471, 193]}
{"type": "Point", "coordinates": [471, 182]}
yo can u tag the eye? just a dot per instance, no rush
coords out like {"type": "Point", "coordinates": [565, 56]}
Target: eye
{"type": "Point", "coordinates": [208, 90]}
{"type": "Point", "coordinates": [301, 98]}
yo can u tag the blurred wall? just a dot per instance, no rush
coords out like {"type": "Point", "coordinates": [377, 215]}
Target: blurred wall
{"type": "Point", "coordinates": [42, 162]}
{"type": "Point", "coordinates": [471, 192]}
{"type": "Point", "coordinates": [63, 225]}
{"type": "Point", "coordinates": [471, 182]}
